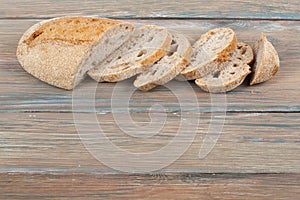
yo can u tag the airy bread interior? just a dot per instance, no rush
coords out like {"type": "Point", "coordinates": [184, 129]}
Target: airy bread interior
{"type": "Point", "coordinates": [230, 74]}
{"type": "Point", "coordinates": [213, 46]}
{"type": "Point", "coordinates": [145, 47]}
{"type": "Point", "coordinates": [110, 42]}
{"type": "Point", "coordinates": [168, 67]}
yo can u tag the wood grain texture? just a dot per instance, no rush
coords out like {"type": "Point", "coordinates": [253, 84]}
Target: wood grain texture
{"type": "Point", "coordinates": [178, 186]}
{"type": "Point", "coordinates": [273, 9]}
{"type": "Point", "coordinates": [22, 93]}
{"type": "Point", "coordinates": [249, 143]}
{"type": "Point", "coordinates": [256, 156]}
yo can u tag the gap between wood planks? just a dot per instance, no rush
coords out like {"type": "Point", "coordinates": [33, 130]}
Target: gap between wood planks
{"type": "Point", "coordinates": [162, 18]}
{"type": "Point", "coordinates": [101, 112]}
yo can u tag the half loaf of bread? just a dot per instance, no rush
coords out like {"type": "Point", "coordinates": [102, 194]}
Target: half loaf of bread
{"type": "Point", "coordinates": [60, 51]}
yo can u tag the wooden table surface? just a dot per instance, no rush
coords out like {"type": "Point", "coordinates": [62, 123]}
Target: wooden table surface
{"type": "Point", "coordinates": [257, 155]}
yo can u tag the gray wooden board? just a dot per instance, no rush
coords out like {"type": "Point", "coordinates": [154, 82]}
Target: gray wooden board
{"type": "Point", "coordinates": [255, 157]}
{"type": "Point", "coordinates": [156, 186]}
{"type": "Point", "coordinates": [249, 143]}
{"type": "Point", "coordinates": [256, 9]}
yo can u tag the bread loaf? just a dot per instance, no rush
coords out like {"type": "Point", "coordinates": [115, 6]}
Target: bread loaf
{"type": "Point", "coordinates": [60, 51]}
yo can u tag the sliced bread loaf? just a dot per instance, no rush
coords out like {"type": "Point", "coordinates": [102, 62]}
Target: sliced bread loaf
{"type": "Point", "coordinates": [60, 51]}
{"type": "Point", "coordinates": [147, 45]}
{"type": "Point", "coordinates": [212, 47]}
{"type": "Point", "coordinates": [266, 61]}
{"type": "Point", "coordinates": [168, 67]}
{"type": "Point", "coordinates": [230, 74]}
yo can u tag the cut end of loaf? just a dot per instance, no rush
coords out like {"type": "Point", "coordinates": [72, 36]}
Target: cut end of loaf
{"type": "Point", "coordinates": [266, 61]}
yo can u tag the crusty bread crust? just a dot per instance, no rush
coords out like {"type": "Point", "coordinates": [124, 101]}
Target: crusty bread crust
{"type": "Point", "coordinates": [72, 30]}
{"type": "Point", "coordinates": [266, 61]}
{"type": "Point", "coordinates": [55, 50]}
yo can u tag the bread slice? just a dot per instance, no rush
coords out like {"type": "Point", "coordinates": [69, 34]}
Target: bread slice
{"type": "Point", "coordinates": [230, 74]}
{"type": "Point", "coordinates": [212, 47]}
{"type": "Point", "coordinates": [168, 67]}
{"type": "Point", "coordinates": [147, 45]}
{"type": "Point", "coordinates": [60, 51]}
{"type": "Point", "coordinates": [266, 61]}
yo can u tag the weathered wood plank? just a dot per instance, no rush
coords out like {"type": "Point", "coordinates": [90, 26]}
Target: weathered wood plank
{"type": "Point", "coordinates": [180, 186]}
{"type": "Point", "coordinates": [22, 93]}
{"type": "Point", "coordinates": [273, 9]}
{"type": "Point", "coordinates": [249, 143]}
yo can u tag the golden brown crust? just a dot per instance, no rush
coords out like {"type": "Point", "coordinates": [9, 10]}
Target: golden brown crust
{"type": "Point", "coordinates": [157, 54]}
{"type": "Point", "coordinates": [72, 30]}
{"type": "Point", "coordinates": [225, 54]}
{"type": "Point", "coordinates": [275, 70]}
